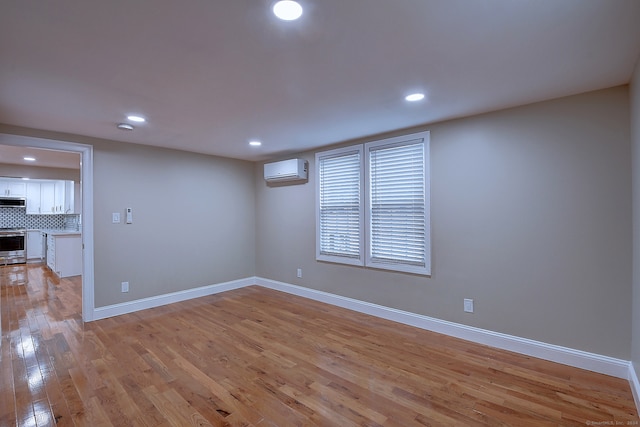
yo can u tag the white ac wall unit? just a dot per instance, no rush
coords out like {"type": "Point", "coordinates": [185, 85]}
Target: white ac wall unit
{"type": "Point", "coordinates": [286, 170]}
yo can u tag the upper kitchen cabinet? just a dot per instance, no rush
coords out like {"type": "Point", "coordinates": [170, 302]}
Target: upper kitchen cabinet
{"type": "Point", "coordinates": [58, 197]}
{"type": "Point", "coordinates": [13, 187]}
{"type": "Point", "coordinates": [50, 197]}
{"type": "Point", "coordinates": [34, 197]}
{"type": "Point", "coordinates": [47, 197]}
{"type": "Point", "coordinates": [69, 197]}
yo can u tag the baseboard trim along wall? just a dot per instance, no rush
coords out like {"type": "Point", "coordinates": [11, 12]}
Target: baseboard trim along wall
{"type": "Point", "coordinates": [577, 358]}
{"type": "Point", "coordinates": [581, 359]}
{"type": "Point", "coordinates": [635, 384]}
{"type": "Point", "coordinates": [160, 300]}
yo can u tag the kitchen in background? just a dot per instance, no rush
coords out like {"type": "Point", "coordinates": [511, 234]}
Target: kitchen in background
{"type": "Point", "coordinates": [40, 209]}
{"type": "Point", "coordinates": [39, 223]}
{"type": "Point", "coordinates": [18, 218]}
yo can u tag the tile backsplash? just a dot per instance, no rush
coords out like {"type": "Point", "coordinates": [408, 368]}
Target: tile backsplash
{"type": "Point", "coordinates": [18, 218]}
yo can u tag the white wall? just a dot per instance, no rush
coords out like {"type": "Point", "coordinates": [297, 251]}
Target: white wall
{"type": "Point", "coordinates": [193, 221]}
{"type": "Point", "coordinates": [194, 218]}
{"type": "Point", "coordinates": [531, 217]}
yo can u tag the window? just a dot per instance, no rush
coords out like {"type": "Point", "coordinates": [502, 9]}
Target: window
{"type": "Point", "coordinates": [340, 218]}
{"type": "Point", "coordinates": [373, 204]}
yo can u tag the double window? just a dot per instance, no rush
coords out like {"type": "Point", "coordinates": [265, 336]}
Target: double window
{"type": "Point", "coordinates": [373, 204]}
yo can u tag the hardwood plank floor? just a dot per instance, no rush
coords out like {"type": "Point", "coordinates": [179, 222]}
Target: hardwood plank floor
{"type": "Point", "coordinates": [259, 357]}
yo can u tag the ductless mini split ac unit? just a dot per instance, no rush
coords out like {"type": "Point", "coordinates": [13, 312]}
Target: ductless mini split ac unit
{"type": "Point", "coordinates": [286, 170]}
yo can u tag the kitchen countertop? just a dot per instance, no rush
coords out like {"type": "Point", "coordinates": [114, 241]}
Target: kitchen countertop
{"type": "Point", "coordinates": [57, 231]}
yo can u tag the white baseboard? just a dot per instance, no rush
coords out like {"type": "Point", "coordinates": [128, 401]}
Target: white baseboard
{"type": "Point", "coordinates": [157, 301]}
{"type": "Point", "coordinates": [581, 359]}
{"type": "Point", "coordinates": [635, 384]}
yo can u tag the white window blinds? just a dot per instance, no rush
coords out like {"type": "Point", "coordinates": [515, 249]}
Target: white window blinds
{"type": "Point", "coordinates": [397, 206]}
{"type": "Point", "coordinates": [372, 205]}
{"type": "Point", "coordinates": [340, 211]}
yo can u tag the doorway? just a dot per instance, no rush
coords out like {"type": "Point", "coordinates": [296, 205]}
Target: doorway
{"type": "Point", "coordinates": [86, 189]}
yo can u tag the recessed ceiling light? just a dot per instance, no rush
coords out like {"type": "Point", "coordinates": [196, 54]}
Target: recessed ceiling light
{"type": "Point", "coordinates": [414, 97]}
{"type": "Point", "coordinates": [287, 10]}
{"type": "Point", "coordinates": [125, 126]}
{"type": "Point", "coordinates": [30, 159]}
{"type": "Point", "coordinates": [255, 143]}
{"type": "Point", "coordinates": [138, 119]}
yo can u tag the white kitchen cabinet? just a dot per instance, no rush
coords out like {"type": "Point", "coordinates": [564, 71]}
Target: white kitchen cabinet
{"type": "Point", "coordinates": [34, 245]}
{"type": "Point", "coordinates": [50, 197]}
{"type": "Point", "coordinates": [69, 199]}
{"type": "Point", "coordinates": [77, 198]}
{"type": "Point", "coordinates": [51, 252]}
{"type": "Point", "coordinates": [34, 198]}
{"type": "Point", "coordinates": [47, 197]}
{"type": "Point", "coordinates": [13, 187]}
{"type": "Point", "coordinates": [64, 254]}
{"type": "Point", "coordinates": [58, 197]}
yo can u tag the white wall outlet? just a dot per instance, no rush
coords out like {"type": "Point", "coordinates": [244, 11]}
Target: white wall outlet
{"type": "Point", "coordinates": [468, 305]}
{"type": "Point", "coordinates": [299, 273]}
{"type": "Point", "coordinates": [115, 218]}
{"type": "Point", "coordinates": [125, 286]}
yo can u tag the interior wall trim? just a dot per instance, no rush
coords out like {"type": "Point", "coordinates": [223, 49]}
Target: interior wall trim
{"type": "Point", "coordinates": [86, 187]}
{"type": "Point", "coordinates": [170, 298]}
{"type": "Point", "coordinates": [635, 384]}
{"type": "Point", "coordinates": [577, 358]}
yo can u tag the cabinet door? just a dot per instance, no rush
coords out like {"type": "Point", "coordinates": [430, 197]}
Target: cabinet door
{"type": "Point", "coordinates": [33, 198]}
{"type": "Point", "coordinates": [58, 206]}
{"type": "Point", "coordinates": [69, 199]}
{"type": "Point", "coordinates": [51, 252]}
{"type": "Point", "coordinates": [77, 200]}
{"type": "Point", "coordinates": [17, 189]}
{"type": "Point", "coordinates": [47, 197]}
{"type": "Point", "coordinates": [13, 188]}
{"type": "Point", "coordinates": [34, 245]}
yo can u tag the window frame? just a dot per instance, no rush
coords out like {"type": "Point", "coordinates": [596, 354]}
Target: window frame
{"type": "Point", "coordinates": [399, 141]}
{"type": "Point", "coordinates": [341, 152]}
{"type": "Point", "coordinates": [365, 216]}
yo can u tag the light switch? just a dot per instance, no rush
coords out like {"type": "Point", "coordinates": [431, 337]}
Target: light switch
{"type": "Point", "coordinates": [115, 218]}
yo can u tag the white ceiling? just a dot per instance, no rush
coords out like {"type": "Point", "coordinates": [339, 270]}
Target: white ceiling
{"type": "Point", "coordinates": [14, 155]}
{"type": "Point", "coordinates": [210, 75]}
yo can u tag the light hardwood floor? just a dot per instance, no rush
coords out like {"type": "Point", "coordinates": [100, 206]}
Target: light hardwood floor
{"type": "Point", "coordinates": [259, 357]}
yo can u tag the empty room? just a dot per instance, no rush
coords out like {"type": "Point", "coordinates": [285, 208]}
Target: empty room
{"type": "Point", "coordinates": [333, 213]}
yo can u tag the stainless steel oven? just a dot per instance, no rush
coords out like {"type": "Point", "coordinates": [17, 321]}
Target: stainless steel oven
{"type": "Point", "coordinates": [13, 246]}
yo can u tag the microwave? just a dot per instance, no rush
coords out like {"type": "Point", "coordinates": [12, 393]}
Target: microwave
{"type": "Point", "coordinates": [13, 202]}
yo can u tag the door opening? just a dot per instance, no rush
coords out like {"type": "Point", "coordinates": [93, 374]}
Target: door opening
{"type": "Point", "coordinates": [86, 189]}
